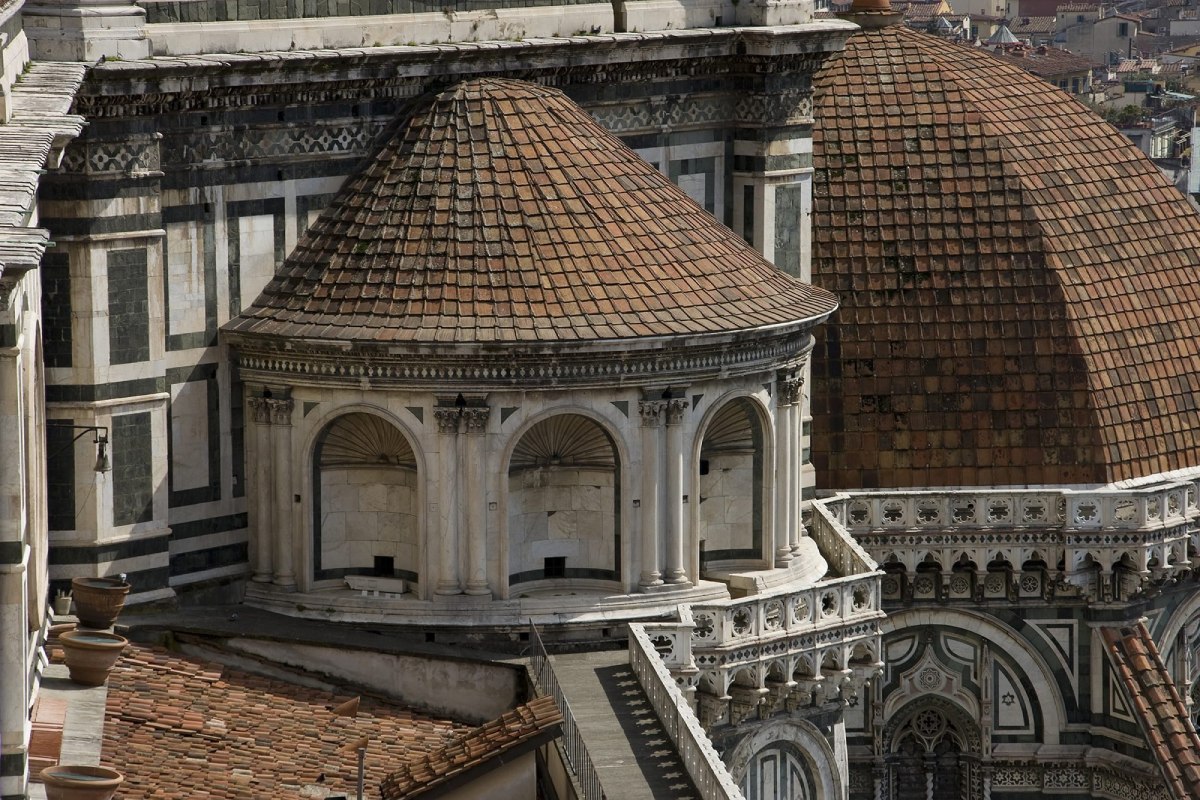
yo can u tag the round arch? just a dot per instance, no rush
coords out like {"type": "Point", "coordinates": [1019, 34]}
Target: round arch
{"type": "Point", "coordinates": [365, 475]}
{"type": "Point", "coordinates": [815, 749]}
{"type": "Point", "coordinates": [705, 515]}
{"type": "Point", "coordinates": [933, 742]}
{"type": "Point", "coordinates": [564, 518]}
{"type": "Point", "coordinates": [1002, 637]}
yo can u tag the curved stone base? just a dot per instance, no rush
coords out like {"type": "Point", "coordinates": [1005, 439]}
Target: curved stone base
{"type": "Point", "coordinates": [545, 607]}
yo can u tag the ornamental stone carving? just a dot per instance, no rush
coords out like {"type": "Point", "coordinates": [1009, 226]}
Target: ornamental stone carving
{"type": "Point", "coordinates": [259, 410]}
{"type": "Point", "coordinates": [676, 408]}
{"type": "Point", "coordinates": [791, 391]}
{"type": "Point", "coordinates": [476, 418]}
{"type": "Point", "coordinates": [447, 419]}
{"type": "Point", "coordinates": [280, 411]}
{"type": "Point", "coordinates": [653, 412]}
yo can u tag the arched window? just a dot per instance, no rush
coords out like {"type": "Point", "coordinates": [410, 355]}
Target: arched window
{"type": "Point", "coordinates": [779, 772]}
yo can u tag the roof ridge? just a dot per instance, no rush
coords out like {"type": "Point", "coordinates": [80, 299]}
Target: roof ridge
{"type": "Point", "coordinates": [1173, 742]}
{"type": "Point", "coordinates": [535, 720]}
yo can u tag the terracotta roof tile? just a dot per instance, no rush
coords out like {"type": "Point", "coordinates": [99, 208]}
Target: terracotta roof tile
{"type": "Point", "coordinates": [537, 720]}
{"type": "Point", "coordinates": [1016, 279]}
{"type": "Point", "coordinates": [498, 201]}
{"type": "Point", "coordinates": [180, 729]}
{"type": "Point", "coordinates": [1160, 711]}
{"type": "Point", "coordinates": [1046, 62]}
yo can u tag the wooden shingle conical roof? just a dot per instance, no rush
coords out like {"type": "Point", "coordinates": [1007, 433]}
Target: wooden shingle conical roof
{"type": "Point", "coordinates": [501, 212]}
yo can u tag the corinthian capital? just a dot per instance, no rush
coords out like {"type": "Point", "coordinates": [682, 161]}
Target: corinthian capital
{"type": "Point", "coordinates": [652, 412]}
{"type": "Point", "coordinates": [790, 391]}
{"type": "Point", "coordinates": [676, 408]}
{"type": "Point", "coordinates": [447, 418]}
{"type": "Point", "coordinates": [476, 418]}
{"type": "Point", "coordinates": [280, 411]}
{"type": "Point", "coordinates": [259, 410]}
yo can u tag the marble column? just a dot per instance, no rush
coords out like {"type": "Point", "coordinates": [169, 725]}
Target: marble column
{"type": "Point", "coordinates": [787, 474]}
{"type": "Point", "coordinates": [652, 413]}
{"type": "Point", "coordinates": [796, 445]}
{"type": "Point", "coordinates": [448, 419]}
{"type": "Point", "coordinates": [676, 571]}
{"type": "Point", "coordinates": [475, 420]}
{"type": "Point", "coordinates": [281, 434]}
{"type": "Point", "coordinates": [261, 462]}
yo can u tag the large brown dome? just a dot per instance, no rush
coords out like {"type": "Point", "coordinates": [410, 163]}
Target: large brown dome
{"type": "Point", "coordinates": [1018, 284]}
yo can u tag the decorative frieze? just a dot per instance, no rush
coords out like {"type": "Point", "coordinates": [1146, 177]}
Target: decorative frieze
{"type": "Point", "coordinates": [520, 369]}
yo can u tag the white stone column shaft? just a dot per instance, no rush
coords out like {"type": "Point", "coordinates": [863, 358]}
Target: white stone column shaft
{"type": "Point", "coordinates": [281, 429]}
{"type": "Point", "coordinates": [448, 581]}
{"type": "Point", "coordinates": [676, 570]}
{"type": "Point", "coordinates": [783, 481]}
{"type": "Point", "coordinates": [14, 698]}
{"type": "Point", "coordinates": [476, 418]}
{"type": "Point", "coordinates": [797, 473]}
{"type": "Point", "coordinates": [261, 460]}
{"type": "Point", "coordinates": [652, 418]}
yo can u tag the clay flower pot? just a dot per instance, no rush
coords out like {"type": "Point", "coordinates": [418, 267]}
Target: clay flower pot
{"type": "Point", "coordinates": [98, 601]}
{"type": "Point", "coordinates": [66, 782]}
{"type": "Point", "coordinates": [91, 655]}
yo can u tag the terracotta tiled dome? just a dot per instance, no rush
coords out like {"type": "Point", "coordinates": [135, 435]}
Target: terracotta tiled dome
{"type": "Point", "coordinates": [1019, 301]}
{"type": "Point", "coordinates": [501, 212]}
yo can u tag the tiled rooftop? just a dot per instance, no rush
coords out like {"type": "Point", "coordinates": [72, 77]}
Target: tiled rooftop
{"type": "Point", "coordinates": [536, 720]}
{"type": "Point", "coordinates": [1017, 280]}
{"type": "Point", "coordinates": [1159, 709]}
{"type": "Point", "coordinates": [186, 729]}
{"type": "Point", "coordinates": [1044, 61]}
{"type": "Point", "coordinates": [502, 212]}
{"type": "Point", "coordinates": [1026, 26]}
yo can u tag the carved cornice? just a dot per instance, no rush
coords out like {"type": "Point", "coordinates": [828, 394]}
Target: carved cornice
{"type": "Point", "coordinates": [336, 76]}
{"type": "Point", "coordinates": [600, 365]}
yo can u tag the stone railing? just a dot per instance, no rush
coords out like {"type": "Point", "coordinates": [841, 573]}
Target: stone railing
{"type": "Point", "coordinates": [587, 782]}
{"type": "Point", "coordinates": [704, 766]}
{"type": "Point", "coordinates": [844, 555]}
{"type": "Point", "coordinates": [1108, 540]}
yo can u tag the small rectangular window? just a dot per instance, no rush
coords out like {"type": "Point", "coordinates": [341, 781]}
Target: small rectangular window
{"type": "Point", "coordinates": [555, 567]}
{"type": "Point", "coordinates": [1123, 29]}
{"type": "Point", "coordinates": [385, 566]}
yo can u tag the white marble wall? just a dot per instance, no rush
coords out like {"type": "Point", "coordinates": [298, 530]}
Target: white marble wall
{"type": "Point", "coordinates": [185, 277]}
{"type": "Point", "coordinates": [368, 512]}
{"type": "Point", "coordinates": [727, 502]}
{"type": "Point", "coordinates": [561, 512]}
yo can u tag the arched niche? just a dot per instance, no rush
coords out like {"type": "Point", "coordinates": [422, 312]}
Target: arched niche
{"type": "Point", "coordinates": [730, 485]}
{"type": "Point", "coordinates": [564, 522]}
{"type": "Point", "coordinates": [366, 517]}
